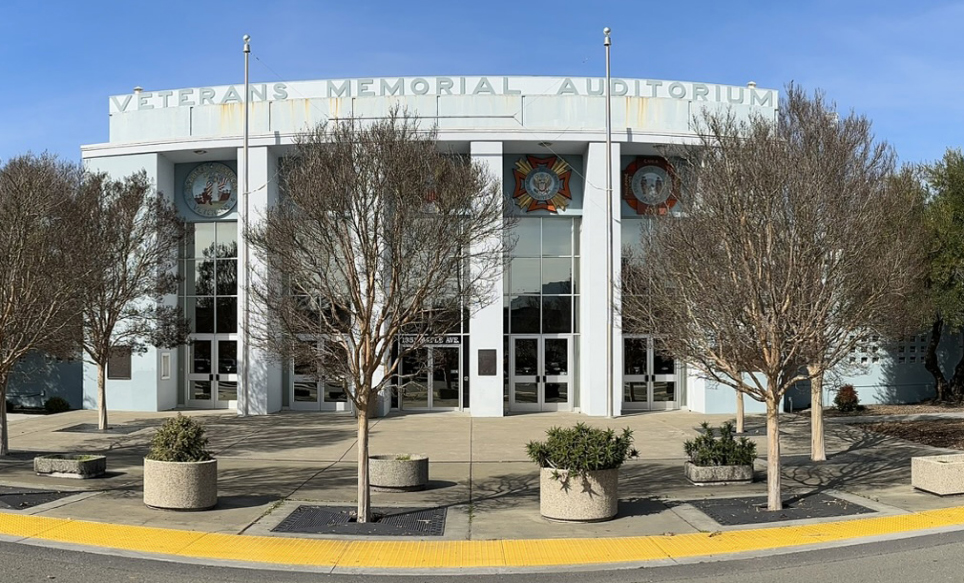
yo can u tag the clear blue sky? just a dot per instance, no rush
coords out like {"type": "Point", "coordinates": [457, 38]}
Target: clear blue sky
{"type": "Point", "coordinates": [899, 63]}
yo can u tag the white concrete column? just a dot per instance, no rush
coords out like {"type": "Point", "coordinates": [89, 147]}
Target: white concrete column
{"type": "Point", "coordinates": [593, 282]}
{"type": "Point", "coordinates": [263, 392]}
{"type": "Point", "coordinates": [485, 327]}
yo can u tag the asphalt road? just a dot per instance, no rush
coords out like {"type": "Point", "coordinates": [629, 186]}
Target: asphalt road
{"type": "Point", "coordinates": [932, 558]}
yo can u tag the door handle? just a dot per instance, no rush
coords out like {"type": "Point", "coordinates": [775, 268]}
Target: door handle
{"type": "Point", "coordinates": [217, 377]}
{"type": "Point", "coordinates": [210, 377]}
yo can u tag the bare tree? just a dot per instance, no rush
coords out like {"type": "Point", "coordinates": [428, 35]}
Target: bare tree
{"type": "Point", "coordinates": [793, 238]}
{"type": "Point", "coordinates": [40, 276]}
{"type": "Point", "coordinates": [131, 237]}
{"type": "Point", "coordinates": [378, 235]}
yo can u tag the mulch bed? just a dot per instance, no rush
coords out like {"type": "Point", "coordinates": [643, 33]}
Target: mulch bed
{"type": "Point", "coordinates": [753, 509]}
{"type": "Point", "coordinates": [934, 432]}
{"type": "Point", "coordinates": [916, 409]}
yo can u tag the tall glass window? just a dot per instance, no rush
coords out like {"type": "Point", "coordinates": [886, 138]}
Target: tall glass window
{"type": "Point", "coordinates": [209, 266]}
{"type": "Point", "coordinates": [541, 284]}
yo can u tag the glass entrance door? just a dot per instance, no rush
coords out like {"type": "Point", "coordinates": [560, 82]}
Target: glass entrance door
{"type": "Point", "coordinates": [310, 394]}
{"type": "Point", "coordinates": [432, 379]}
{"type": "Point", "coordinates": [212, 377]}
{"type": "Point", "coordinates": [539, 373]}
{"type": "Point", "coordinates": [649, 377]}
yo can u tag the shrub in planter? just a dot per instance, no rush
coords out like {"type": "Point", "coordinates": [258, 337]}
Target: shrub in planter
{"type": "Point", "coordinates": [847, 400]}
{"type": "Point", "coordinates": [721, 459]}
{"type": "Point", "coordinates": [579, 471]}
{"type": "Point", "coordinates": [56, 405]}
{"type": "Point", "coordinates": [179, 472]}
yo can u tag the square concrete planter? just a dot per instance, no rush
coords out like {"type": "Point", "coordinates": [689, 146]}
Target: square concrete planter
{"type": "Point", "coordinates": [717, 475]}
{"type": "Point", "coordinates": [398, 472]}
{"type": "Point", "coordinates": [181, 485]}
{"type": "Point", "coordinates": [70, 466]}
{"type": "Point", "coordinates": [590, 498]}
{"type": "Point", "coordinates": [938, 474]}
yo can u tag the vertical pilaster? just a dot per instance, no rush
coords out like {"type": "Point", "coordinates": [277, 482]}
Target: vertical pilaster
{"type": "Point", "coordinates": [593, 281]}
{"type": "Point", "coordinates": [263, 391]}
{"type": "Point", "coordinates": [485, 327]}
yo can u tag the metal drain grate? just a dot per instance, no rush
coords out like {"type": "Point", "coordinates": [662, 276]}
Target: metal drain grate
{"type": "Point", "coordinates": [92, 428]}
{"type": "Point", "coordinates": [388, 521]}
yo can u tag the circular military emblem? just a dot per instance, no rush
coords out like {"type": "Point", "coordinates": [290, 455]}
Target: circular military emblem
{"type": "Point", "coordinates": [211, 190]}
{"type": "Point", "coordinates": [542, 184]}
{"type": "Point", "coordinates": [650, 185]}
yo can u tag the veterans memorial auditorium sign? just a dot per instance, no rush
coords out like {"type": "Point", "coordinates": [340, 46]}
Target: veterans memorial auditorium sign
{"type": "Point", "coordinates": [438, 86]}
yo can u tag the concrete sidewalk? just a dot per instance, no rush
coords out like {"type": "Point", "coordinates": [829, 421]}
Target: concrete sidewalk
{"type": "Point", "coordinates": [479, 471]}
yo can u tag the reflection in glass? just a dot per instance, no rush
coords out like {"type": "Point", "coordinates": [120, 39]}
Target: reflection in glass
{"type": "Point", "coordinates": [662, 363]}
{"type": "Point", "coordinates": [227, 391]}
{"type": "Point", "coordinates": [415, 380]}
{"type": "Point", "coordinates": [556, 314]}
{"type": "Point", "coordinates": [201, 313]}
{"type": "Point", "coordinates": [524, 275]}
{"type": "Point", "coordinates": [634, 392]}
{"type": "Point", "coordinates": [445, 377]}
{"type": "Point", "coordinates": [526, 235]}
{"type": "Point", "coordinates": [200, 236]}
{"type": "Point", "coordinates": [557, 356]}
{"type": "Point", "coordinates": [525, 314]}
{"type": "Point", "coordinates": [664, 391]}
{"type": "Point", "coordinates": [306, 391]}
{"type": "Point", "coordinates": [556, 276]}
{"type": "Point", "coordinates": [227, 238]}
{"type": "Point", "coordinates": [526, 357]}
{"type": "Point", "coordinates": [227, 357]}
{"type": "Point", "coordinates": [556, 237]}
{"type": "Point", "coordinates": [526, 393]}
{"type": "Point", "coordinates": [556, 393]}
{"type": "Point", "coordinates": [201, 356]}
{"type": "Point", "coordinates": [634, 356]}
{"type": "Point", "coordinates": [335, 393]}
{"type": "Point", "coordinates": [227, 317]}
{"type": "Point", "coordinates": [227, 277]}
{"type": "Point", "coordinates": [201, 390]}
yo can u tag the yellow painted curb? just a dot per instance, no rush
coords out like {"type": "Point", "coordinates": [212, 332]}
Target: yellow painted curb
{"type": "Point", "coordinates": [367, 554]}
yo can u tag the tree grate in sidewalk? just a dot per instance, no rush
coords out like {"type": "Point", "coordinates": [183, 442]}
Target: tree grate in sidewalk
{"type": "Point", "coordinates": [753, 509]}
{"type": "Point", "coordinates": [387, 521]}
{"type": "Point", "coordinates": [23, 498]}
{"type": "Point", "coordinates": [92, 428]}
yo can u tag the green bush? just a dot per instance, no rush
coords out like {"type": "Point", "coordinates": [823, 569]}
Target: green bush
{"type": "Point", "coordinates": [180, 439]}
{"type": "Point", "coordinates": [582, 449]}
{"type": "Point", "coordinates": [847, 400]}
{"type": "Point", "coordinates": [708, 450]}
{"type": "Point", "coordinates": [56, 405]}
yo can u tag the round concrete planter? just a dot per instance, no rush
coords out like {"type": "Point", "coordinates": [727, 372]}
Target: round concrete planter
{"type": "Point", "coordinates": [590, 498]}
{"type": "Point", "coordinates": [718, 475]}
{"type": "Point", "coordinates": [70, 466]}
{"type": "Point", "coordinates": [398, 472]}
{"type": "Point", "coordinates": [181, 485]}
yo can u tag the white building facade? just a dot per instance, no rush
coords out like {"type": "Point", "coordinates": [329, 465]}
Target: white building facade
{"type": "Point", "coordinates": [541, 348]}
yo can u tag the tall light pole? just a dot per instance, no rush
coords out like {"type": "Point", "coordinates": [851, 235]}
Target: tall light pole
{"type": "Point", "coordinates": [246, 334]}
{"type": "Point", "coordinates": [609, 232]}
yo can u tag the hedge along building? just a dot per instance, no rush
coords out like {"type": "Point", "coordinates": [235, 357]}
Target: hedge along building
{"type": "Point", "coordinates": [541, 348]}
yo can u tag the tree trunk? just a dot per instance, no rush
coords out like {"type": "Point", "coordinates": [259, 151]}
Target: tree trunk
{"type": "Point", "coordinates": [4, 439]}
{"type": "Point", "coordinates": [774, 501]}
{"type": "Point", "coordinates": [818, 449]}
{"type": "Point", "coordinates": [739, 411]}
{"type": "Point", "coordinates": [931, 363]}
{"type": "Point", "coordinates": [101, 398]}
{"type": "Point", "coordinates": [364, 494]}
